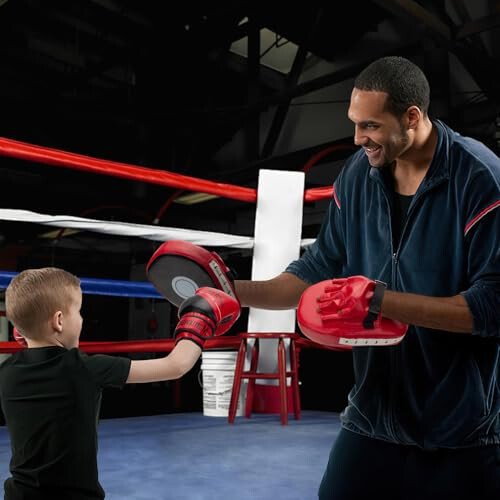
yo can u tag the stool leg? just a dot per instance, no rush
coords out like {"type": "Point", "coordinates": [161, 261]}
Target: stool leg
{"type": "Point", "coordinates": [235, 393]}
{"type": "Point", "coordinates": [251, 381]}
{"type": "Point", "coordinates": [282, 381]}
{"type": "Point", "coordinates": [294, 362]}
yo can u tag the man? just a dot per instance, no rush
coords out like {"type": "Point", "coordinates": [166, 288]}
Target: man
{"type": "Point", "coordinates": [417, 209]}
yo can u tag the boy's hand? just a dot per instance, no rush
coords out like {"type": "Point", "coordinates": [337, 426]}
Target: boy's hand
{"type": "Point", "coordinates": [207, 314]}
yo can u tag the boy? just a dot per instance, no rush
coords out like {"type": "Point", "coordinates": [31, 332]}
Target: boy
{"type": "Point", "coordinates": [50, 392]}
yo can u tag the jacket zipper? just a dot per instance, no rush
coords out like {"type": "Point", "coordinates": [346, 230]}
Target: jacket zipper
{"type": "Point", "coordinates": [411, 209]}
{"type": "Point", "coordinates": [393, 360]}
{"type": "Point", "coordinates": [395, 260]}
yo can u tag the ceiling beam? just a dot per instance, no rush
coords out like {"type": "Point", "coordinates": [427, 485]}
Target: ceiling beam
{"type": "Point", "coordinates": [291, 81]}
{"type": "Point", "coordinates": [337, 76]}
{"type": "Point", "coordinates": [476, 26]}
{"type": "Point", "coordinates": [414, 12]}
{"type": "Point", "coordinates": [483, 68]}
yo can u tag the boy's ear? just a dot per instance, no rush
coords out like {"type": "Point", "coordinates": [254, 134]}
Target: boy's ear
{"type": "Point", "coordinates": [57, 321]}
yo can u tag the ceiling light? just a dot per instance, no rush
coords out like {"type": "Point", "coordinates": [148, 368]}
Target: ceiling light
{"type": "Point", "coordinates": [192, 198]}
{"type": "Point", "coordinates": [58, 233]}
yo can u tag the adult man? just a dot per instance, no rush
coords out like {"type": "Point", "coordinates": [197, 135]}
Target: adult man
{"type": "Point", "coordinates": [416, 208]}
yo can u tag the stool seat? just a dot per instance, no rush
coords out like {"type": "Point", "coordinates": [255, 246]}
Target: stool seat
{"type": "Point", "coordinates": [281, 375]}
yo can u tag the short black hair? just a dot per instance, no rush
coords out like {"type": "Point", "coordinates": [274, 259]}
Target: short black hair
{"type": "Point", "coordinates": [403, 81]}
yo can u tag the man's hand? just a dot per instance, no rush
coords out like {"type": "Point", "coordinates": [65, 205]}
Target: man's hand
{"type": "Point", "coordinates": [346, 312]}
{"type": "Point", "coordinates": [178, 268]}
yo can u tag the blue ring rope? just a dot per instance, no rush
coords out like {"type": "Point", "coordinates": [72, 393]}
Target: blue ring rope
{"type": "Point", "coordinates": [91, 286]}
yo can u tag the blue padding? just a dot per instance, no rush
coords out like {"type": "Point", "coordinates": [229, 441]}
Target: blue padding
{"type": "Point", "coordinates": [93, 286]}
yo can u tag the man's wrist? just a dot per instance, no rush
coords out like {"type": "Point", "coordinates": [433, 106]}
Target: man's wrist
{"type": "Point", "coordinates": [375, 304]}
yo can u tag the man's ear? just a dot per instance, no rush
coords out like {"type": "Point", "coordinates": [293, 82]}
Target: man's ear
{"type": "Point", "coordinates": [57, 321]}
{"type": "Point", "coordinates": [414, 116]}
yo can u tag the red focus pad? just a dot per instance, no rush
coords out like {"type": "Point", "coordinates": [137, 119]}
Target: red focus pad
{"type": "Point", "coordinates": [346, 298]}
{"type": "Point", "coordinates": [208, 313]}
{"type": "Point", "coordinates": [19, 338]}
{"type": "Point", "coordinates": [178, 268]}
{"type": "Point", "coordinates": [332, 313]}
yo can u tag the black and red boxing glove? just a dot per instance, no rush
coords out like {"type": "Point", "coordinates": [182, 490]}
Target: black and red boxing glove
{"type": "Point", "coordinates": [19, 338]}
{"type": "Point", "coordinates": [346, 312]}
{"type": "Point", "coordinates": [207, 314]}
{"type": "Point", "coordinates": [178, 268]}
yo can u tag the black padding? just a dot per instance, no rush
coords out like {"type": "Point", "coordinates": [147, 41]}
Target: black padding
{"type": "Point", "coordinates": [177, 278]}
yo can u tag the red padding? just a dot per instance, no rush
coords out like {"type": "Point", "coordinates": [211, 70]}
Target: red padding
{"type": "Point", "coordinates": [321, 193]}
{"type": "Point", "coordinates": [58, 158]}
{"type": "Point", "coordinates": [134, 345]}
{"type": "Point", "coordinates": [229, 342]}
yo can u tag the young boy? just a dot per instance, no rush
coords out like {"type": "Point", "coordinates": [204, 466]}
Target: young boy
{"type": "Point", "coordinates": [51, 392]}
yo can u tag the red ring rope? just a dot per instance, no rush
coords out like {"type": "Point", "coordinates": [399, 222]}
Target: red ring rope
{"type": "Point", "coordinates": [58, 158]}
{"type": "Point", "coordinates": [161, 345]}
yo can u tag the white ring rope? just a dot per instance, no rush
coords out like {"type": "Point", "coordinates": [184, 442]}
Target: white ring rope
{"type": "Point", "coordinates": [155, 233]}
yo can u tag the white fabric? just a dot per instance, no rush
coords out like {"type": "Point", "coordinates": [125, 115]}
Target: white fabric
{"type": "Point", "coordinates": [155, 233]}
{"type": "Point", "coordinates": [278, 228]}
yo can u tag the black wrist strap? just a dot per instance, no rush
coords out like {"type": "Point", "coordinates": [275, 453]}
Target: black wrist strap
{"type": "Point", "coordinates": [375, 304]}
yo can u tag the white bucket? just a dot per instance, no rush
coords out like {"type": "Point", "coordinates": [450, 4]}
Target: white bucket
{"type": "Point", "coordinates": [217, 370]}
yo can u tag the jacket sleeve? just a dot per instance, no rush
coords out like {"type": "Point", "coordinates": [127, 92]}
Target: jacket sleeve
{"type": "Point", "coordinates": [482, 234]}
{"type": "Point", "coordinates": [324, 258]}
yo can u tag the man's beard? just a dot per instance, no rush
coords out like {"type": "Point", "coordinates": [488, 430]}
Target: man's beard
{"type": "Point", "coordinates": [402, 142]}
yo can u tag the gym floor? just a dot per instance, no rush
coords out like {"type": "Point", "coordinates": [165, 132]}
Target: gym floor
{"type": "Point", "coordinates": [190, 456]}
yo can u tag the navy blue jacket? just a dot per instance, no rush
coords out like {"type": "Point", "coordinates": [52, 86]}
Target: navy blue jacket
{"type": "Point", "coordinates": [435, 389]}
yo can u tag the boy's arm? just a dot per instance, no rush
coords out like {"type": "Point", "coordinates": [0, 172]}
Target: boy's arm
{"type": "Point", "coordinates": [182, 358]}
{"type": "Point", "coordinates": [207, 314]}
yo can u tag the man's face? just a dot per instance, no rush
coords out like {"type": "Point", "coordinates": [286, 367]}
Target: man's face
{"type": "Point", "coordinates": [382, 136]}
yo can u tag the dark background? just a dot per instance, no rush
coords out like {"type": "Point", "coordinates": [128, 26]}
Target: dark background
{"type": "Point", "coordinates": [140, 83]}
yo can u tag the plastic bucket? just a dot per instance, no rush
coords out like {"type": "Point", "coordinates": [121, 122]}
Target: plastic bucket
{"type": "Point", "coordinates": [217, 375]}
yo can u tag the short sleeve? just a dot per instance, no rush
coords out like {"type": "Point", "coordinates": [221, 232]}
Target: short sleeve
{"type": "Point", "coordinates": [107, 370]}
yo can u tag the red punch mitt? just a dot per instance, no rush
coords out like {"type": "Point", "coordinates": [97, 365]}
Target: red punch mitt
{"type": "Point", "coordinates": [178, 268]}
{"type": "Point", "coordinates": [207, 314]}
{"type": "Point", "coordinates": [346, 312]}
{"type": "Point", "coordinates": [19, 338]}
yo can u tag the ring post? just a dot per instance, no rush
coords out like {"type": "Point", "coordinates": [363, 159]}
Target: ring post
{"type": "Point", "coordinates": [278, 230]}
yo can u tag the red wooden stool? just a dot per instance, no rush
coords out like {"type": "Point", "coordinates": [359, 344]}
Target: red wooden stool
{"type": "Point", "coordinates": [252, 373]}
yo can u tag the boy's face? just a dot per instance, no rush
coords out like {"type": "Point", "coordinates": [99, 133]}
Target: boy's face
{"type": "Point", "coordinates": [72, 320]}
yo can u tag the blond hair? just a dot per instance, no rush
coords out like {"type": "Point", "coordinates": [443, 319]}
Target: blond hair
{"type": "Point", "coordinates": [34, 295]}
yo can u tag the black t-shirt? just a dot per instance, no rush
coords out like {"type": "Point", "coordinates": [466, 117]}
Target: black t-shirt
{"type": "Point", "coordinates": [401, 203]}
{"type": "Point", "coordinates": [51, 399]}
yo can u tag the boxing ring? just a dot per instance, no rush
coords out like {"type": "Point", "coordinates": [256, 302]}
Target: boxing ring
{"type": "Point", "coordinates": [316, 426]}
{"type": "Point", "coordinates": [277, 240]}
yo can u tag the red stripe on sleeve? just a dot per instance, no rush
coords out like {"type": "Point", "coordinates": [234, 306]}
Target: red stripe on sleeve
{"type": "Point", "coordinates": [478, 217]}
{"type": "Point", "coordinates": [337, 202]}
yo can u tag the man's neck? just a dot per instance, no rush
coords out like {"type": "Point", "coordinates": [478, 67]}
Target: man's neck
{"type": "Point", "coordinates": [410, 168]}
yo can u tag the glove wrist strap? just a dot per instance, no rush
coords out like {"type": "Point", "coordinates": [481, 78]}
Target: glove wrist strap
{"type": "Point", "coordinates": [375, 304]}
